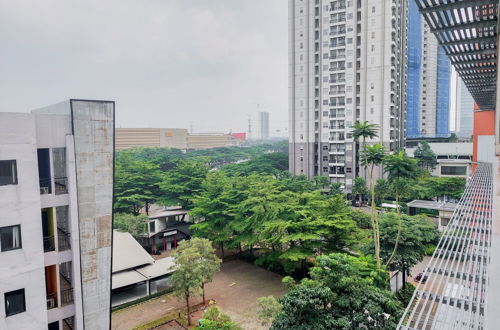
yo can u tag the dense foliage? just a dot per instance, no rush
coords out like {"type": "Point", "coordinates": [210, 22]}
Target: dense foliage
{"type": "Point", "coordinates": [287, 223]}
{"type": "Point", "coordinates": [166, 176]}
{"type": "Point", "coordinates": [425, 157]}
{"type": "Point", "coordinates": [344, 292]}
{"type": "Point", "coordinates": [133, 224]}
{"type": "Point", "coordinates": [214, 319]}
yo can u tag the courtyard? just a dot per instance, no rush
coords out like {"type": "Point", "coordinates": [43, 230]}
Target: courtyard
{"type": "Point", "coordinates": [235, 290]}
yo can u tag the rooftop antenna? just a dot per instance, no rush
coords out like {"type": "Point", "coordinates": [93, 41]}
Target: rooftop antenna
{"type": "Point", "coordinates": [191, 127]}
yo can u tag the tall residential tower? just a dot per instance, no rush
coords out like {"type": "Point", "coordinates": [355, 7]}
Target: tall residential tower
{"type": "Point", "coordinates": [428, 84]}
{"type": "Point", "coordinates": [346, 64]}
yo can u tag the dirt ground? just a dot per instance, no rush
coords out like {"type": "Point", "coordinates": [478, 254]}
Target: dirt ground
{"type": "Point", "coordinates": [235, 289]}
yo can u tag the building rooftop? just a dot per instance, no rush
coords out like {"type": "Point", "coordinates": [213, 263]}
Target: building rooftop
{"type": "Point", "coordinates": [433, 205]}
{"type": "Point", "coordinates": [128, 253]}
{"type": "Point", "coordinates": [167, 213]}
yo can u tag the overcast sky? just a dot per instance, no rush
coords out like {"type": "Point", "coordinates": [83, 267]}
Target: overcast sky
{"type": "Point", "coordinates": [166, 63]}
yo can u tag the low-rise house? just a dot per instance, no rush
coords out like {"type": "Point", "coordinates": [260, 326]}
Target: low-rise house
{"type": "Point", "coordinates": [135, 273]}
{"type": "Point", "coordinates": [166, 228]}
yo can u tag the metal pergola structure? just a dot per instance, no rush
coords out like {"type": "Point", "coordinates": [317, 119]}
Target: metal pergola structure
{"type": "Point", "coordinates": [454, 295]}
{"type": "Point", "coordinates": [467, 30]}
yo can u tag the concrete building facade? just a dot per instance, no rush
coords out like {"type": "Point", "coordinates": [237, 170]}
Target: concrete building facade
{"type": "Point", "coordinates": [56, 183]}
{"type": "Point", "coordinates": [346, 64]}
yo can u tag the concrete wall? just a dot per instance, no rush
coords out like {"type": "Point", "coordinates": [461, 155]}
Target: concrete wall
{"type": "Point", "coordinates": [93, 129]}
{"type": "Point", "coordinates": [20, 204]}
{"type": "Point", "coordinates": [174, 138]}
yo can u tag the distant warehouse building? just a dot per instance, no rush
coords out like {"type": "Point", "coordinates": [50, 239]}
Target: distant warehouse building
{"type": "Point", "coordinates": [178, 138]}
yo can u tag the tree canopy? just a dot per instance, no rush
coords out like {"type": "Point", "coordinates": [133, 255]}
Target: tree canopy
{"type": "Point", "coordinates": [344, 292]}
{"type": "Point", "coordinates": [425, 157]}
{"type": "Point", "coordinates": [195, 264]}
{"type": "Point", "coordinates": [133, 224]}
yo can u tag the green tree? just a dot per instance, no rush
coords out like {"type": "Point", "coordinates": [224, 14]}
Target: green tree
{"type": "Point", "coordinates": [307, 306]}
{"type": "Point", "coordinates": [453, 138]}
{"type": "Point", "coordinates": [210, 205]}
{"type": "Point", "coordinates": [209, 263]}
{"type": "Point", "coordinates": [268, 308]}
{"type": "Point", "coordinates": [136, 184]}
{"type": "Point", "coordinates": [345, 293]}
{"type": "Point", "coordinates": [382, 190]}
{"type": "Point", "coordinates": [272, 163]}
{"type": "Point", "coordinates": [445, 186]}
{"type": "Point", "coordinates": [398, 166]}
{"type": "Point", "coordinates": [363, 219]}
{"type": "Point", "coordinates": [336, 188]}
{"type": "Point", "coordinates": [373, 156]}
{"type": "Point", "coordinates": [359, 188]}
{"type": "Point", "coordinates": [214, 319]}
{"type": "Point", "coordinates": [191, 258]}
{"type": "Point", "coordinates": [183, 182]}
{"type": "Point", "coordinates": [364, 130]}
{"type": "Point", "coordinates": [133, 224]}
{"type": "Point", "coordinates": [425, 157]}
{"type": "Point", "coordinates": [417, 232]}
{"type": "Point", "coordinates": [187, 278]}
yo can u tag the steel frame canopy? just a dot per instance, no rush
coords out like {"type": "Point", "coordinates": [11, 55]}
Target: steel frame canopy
{"type": "Point", "coordinates": [467, 30]}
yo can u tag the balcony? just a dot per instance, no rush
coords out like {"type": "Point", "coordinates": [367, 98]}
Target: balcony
{"type": "Point", "coordinates": [63, 240]}
{"type": "Point", "coordinates": [45, 186]}
{"type": "Point", "coordinates": [61, 185]}
{"type": "Point", "coordinates": [52, 300]}
{"type": "Point", "coordinates": [67, 297]}
{"type": "Point", "coordinates": [49, 244]}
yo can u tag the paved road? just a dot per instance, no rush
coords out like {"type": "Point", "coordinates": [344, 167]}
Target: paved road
{"type": "Point", "coordinates": [235, 289]}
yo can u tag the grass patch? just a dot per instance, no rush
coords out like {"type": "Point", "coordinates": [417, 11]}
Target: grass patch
{"type": "Point", "coordinates": [179, 316]}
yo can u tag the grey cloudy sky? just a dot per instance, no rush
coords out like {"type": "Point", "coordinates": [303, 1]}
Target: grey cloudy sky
{"type": "Point", "coordinates": [166, 63]}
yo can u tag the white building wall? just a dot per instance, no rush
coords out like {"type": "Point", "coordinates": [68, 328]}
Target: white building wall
{"type": "Point", "coordinates": [20, 204]}
{"type": "Point", "coordinates": [89, 171]}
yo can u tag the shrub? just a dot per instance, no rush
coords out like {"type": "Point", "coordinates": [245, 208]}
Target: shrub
{"type": "Point", "coordinates": [404, 295]}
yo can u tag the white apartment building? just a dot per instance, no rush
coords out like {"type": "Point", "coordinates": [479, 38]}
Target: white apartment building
{"type": "Point", "coordinates": [346, 64]}
{"type": "Point", "coordinates": [56, 188]}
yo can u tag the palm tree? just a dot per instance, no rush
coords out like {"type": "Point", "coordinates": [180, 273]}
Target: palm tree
{"type": "Point", "coordinates": [364, 130]}
{"type": "Point", "coordinates": [373, 156]}
{"type": "Point", "coordinates": [399, 166]}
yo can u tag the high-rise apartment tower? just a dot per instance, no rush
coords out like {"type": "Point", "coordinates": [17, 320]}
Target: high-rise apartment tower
{"type": "Point", "coordinates": [263, 125]}
{"type": "Point", "coordinates": [428, 81]}
{"type": "Point", "coordinates": [464, 110]}
{"type": "Point", "coordinates": [346, 64]}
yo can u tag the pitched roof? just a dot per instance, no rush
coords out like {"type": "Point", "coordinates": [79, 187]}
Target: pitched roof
{"type": "Point", "coordinates": [128, 253]}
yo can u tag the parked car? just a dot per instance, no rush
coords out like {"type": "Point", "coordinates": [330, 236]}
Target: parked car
{"type": "Point", "coordinates": [421, 278]}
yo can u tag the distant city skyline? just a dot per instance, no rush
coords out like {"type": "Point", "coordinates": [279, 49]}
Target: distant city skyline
{"type": "Point", "coordinates": [157, 68]}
